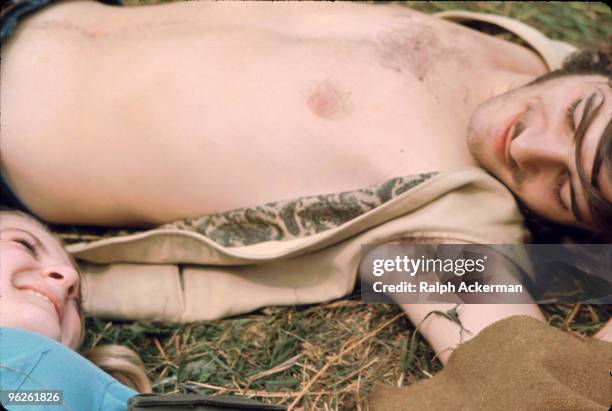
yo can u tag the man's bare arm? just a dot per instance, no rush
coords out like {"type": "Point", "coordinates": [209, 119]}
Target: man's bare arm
{"type": "Point", "coordinates": [446, 326]}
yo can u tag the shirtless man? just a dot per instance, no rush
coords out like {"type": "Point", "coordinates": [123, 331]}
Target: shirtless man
{"type": "Point", "coordinates": [140, 116]}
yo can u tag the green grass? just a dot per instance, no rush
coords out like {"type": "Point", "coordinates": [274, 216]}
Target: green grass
{"type": "Point", "coordinates": [579, 23]}
{"type": "Point", "coordinates": [330, 355]}
{"type": "Point", "coordinates": [273, 354]}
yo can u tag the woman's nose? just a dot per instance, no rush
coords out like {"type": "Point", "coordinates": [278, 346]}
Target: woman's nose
{"type": "Point", "coordinates": [65, 276]}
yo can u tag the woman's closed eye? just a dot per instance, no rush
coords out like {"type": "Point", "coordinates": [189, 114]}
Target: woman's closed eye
{"type": "Point", "coordinates": [30, 247]}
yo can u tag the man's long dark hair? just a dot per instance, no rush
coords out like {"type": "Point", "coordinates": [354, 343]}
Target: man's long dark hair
{"type": "Point", "coordinates": [585, 62]}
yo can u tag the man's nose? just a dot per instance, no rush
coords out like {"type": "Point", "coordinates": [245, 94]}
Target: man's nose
{"type": "Point", "coordinates": [532, 153]}
{"type": "Point", "coordinates": [64, 276]}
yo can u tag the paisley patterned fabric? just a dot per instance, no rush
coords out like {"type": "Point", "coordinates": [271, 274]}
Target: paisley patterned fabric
{"type": "Point", "coordinates": [275, 221]}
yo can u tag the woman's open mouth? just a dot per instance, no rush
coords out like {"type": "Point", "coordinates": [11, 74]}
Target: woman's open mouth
{"type": "Point", "coordinates": [44, 296]}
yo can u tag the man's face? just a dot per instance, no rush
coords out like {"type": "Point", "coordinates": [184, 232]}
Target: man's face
{"type": "Point", "coordinates": [526, 139]}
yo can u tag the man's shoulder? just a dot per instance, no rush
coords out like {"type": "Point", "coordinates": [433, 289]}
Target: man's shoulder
{"type": "Point", "coordinates": [552, 52]}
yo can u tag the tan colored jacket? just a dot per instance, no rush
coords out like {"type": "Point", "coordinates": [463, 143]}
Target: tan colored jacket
{"type": "Point", "coordinates": [295, 252]}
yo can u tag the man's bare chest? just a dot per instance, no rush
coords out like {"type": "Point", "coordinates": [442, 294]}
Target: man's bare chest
{"type": "Point", "coordinates": [230, 103]}
{"type": "Point", "coordinates": [261, 95]}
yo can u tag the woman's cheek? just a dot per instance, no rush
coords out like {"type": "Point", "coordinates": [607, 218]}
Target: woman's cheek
{"type": "Point", "coordinates": [71, 326]}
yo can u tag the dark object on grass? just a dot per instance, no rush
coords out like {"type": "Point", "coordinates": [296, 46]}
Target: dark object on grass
{"type": "Point", "coordinates": [195, 402]}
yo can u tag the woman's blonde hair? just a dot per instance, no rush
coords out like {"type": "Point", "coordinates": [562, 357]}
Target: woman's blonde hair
{"type": "Point", "coordinates": [122, 363]}
{"type": "Point", "coordinates": [119, 361]}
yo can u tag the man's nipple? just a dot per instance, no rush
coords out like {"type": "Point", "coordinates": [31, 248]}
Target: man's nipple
{"type": "Point", "coordinates": [329, 102]}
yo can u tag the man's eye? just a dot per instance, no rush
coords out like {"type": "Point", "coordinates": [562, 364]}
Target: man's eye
{"type": "Point", "coordinates": [569, 114]}
{"type": "Point", "coordinates": [561, 180]}
{"type": "Point", "coordinates": [29, 246]}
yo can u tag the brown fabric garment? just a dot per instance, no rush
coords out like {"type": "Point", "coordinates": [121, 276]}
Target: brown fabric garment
{"type": "Point", "coordinates": [517, 363]}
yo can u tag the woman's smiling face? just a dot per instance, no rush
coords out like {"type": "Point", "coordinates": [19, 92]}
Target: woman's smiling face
{"type": "Point", "coordinates": [39, 285]}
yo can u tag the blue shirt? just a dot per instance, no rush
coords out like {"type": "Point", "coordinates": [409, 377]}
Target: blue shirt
{"type": "Point", "coordinates": [30, 361]}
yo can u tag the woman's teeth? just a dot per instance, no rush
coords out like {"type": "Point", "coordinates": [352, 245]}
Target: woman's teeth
{"type": "Point", "coordinates": [37, 294]}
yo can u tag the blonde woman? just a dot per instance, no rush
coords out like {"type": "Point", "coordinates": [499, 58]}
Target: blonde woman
{"type": "Point", "coordinates": [42, 325]}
